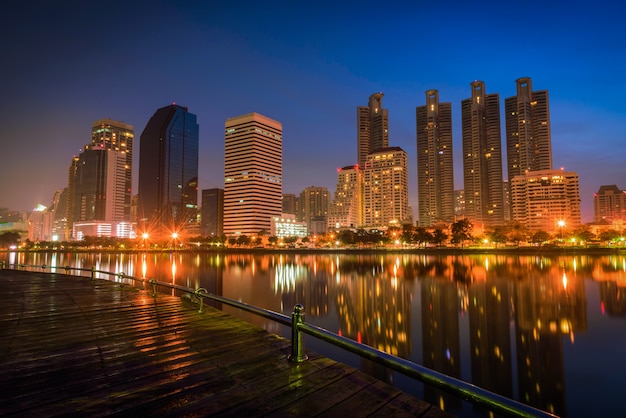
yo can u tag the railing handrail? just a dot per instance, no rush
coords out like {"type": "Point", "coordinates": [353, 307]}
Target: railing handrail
{"type": "Point", "coordinates": [457, 387]}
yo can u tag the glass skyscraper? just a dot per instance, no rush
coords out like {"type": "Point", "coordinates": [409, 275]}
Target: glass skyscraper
{"type": "Point", "coordinates": [372, 127]}
{"type": "Point", "coordinates": [168, 170]}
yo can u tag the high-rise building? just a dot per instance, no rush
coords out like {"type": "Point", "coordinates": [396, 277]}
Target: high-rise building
{"type": "Point", "coordinates": [314, 206]}
{"type": "Point", "coordinates": [97, 189]}
{"type": "Point", "coordinates": [99, 185]}
{"type": "Point", "coordinates": [609, 204]}
{"type": "Point", "coordinates": [253, 173]}
{"type": "Point", "coordinates": [346, 210]}
{"type": "Point", "coordinates": [118, 136]}
{"type": "Point", "coordinates": [212, 213]}
{"type": "Point", "coordinates": [168, 170]}
{"type": "Point", "coordinates": [528, 142]}
{"type": "Point", "coordinates": [385, 188]}
{"type": "Point", "coordinates": [435, 175]}
{"type": "Point", "coordinates": [540, 200]}
{"type": "Point", "coordinates": [482, 157]}
{"type": "Point", "coordinates": [372, 127]}
{"type": "Point", "coordinates": [290, 203]}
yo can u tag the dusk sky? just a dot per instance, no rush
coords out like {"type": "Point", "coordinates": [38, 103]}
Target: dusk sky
{"type": "Point", "coordinates": [66, 64]}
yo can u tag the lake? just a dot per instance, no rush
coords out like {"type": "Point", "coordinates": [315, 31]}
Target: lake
{"type": "Point", "coordinates": [547, 330]}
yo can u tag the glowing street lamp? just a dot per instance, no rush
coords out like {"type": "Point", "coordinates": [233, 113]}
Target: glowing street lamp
{"type": "Point", "coordinates": [561, 224]}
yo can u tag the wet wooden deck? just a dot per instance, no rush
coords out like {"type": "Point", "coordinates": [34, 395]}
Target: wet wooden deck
{"type": "Point", "coordinates": [72, 346]}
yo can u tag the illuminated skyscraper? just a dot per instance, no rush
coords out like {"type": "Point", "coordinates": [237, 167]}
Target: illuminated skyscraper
{"type": "Point", "coordinates": [435, 175]}
{"type": "Point", "coordinates": [385, 188]}
{"type": "Point", "coordinates": [168, 170]}
{"type": "Point", "coordinates": [346, 210]}
{"type": "Point", "coordinates": [118, 136]}
{"type": "Point", "coordinates": [253, 173]}
{"type": "Point", "coordinates": [372, 127]}
{"type": "Point", "coordinates": [97, 185]}
{"type": "Point", "coordinates": [482, 157]}
{"type": "Point", "coordinates": [528, 142]}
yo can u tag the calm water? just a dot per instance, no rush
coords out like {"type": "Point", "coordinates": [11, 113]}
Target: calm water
{"type": "Point", "coordinates": [550, 332]}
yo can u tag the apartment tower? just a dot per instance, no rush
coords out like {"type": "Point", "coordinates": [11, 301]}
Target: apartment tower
{"type": "Point", "coordinates": [482, 157]}
{"type": "Point", "coordinates": [168, 171]}
{"type": "Point", "coordinates": [372, 127]}
{"type": "Point", "coordinates": [540, 200]}
{"type": "Point", "coordinates": [528, 142]}
{"type": "Point", "coordinates": [346, 210]}
{"type": "Point", "coordinates": [609, 204]}
{"type": "Point", "coordinates": [435, 176]}
{"type": "Point", "coordinates": [314, 206]}
{"type": "Point", "coordinates": [119, 136]}
{"type": "Point", "coordinates": [253, 173]}
{"type": "Point", "coordinates": [385, 188]}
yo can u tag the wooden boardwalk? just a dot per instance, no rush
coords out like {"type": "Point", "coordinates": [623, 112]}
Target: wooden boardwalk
{"type": "Point", "coordinates": [75, 347]}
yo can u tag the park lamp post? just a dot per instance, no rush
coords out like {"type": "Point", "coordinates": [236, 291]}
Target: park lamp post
{"type": "Point", "coordinates": [561, 224]}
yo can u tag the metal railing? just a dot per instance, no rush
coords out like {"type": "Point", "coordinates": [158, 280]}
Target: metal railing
{"type": "Point", "coordinates": [466, 391]}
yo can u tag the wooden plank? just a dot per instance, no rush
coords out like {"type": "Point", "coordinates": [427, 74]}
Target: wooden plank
{"type": "Point", "coordinates": [95, 348]}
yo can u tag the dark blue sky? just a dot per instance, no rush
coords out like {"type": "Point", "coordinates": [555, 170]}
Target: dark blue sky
{"type": "Point", "coordinates": [308, 65]}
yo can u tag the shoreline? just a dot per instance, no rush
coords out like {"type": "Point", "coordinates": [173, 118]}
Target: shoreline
{"type": "Point", "coordinates": [540, 251]}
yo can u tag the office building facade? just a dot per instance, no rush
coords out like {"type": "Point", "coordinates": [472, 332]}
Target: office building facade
{"type": "Point", "coordinates": [118, 136]}
{"type": "Point", "coordinates": [385, 188]}
{"type": "Point", "coordinates": [252, 174]}
{"type": "Point", "coordinates": [315, 205]}
{"type": "Point", "coordinates": [372, 127]}
{"type": "Point", "coordinates": [482, 157]}
{"type": "Point", "coordinates": [212, 213]}
{"type": "Point", "coordinates": [168, 171]}
{"type": "Point", "coordinates": [435, 174]}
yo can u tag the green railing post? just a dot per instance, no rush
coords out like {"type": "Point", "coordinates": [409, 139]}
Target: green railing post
{"type": "Point", "coordinates": [202, 289]}
{"type": "Point", "coordinates": [297, 339]}
{"type": "Point", "coordinates": [1, 265]}
{"type": "Point", "coordinates": [153, 283]}
{"type": "Point", "coordinates": [93, 273]}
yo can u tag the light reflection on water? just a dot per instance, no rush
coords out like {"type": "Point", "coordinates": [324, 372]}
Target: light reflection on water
{"type": "Point", "coordinates": [516, 325]}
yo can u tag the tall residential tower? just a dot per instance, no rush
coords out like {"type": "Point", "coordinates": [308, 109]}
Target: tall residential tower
{"type": "Point", "coordinates": [253, 173]}
{"type": "Point", "coordinates": [435, 176]}
{"type": "Point", "coordinates": [372, 127]}
{"type": "Point", "coordinates": [482, 157]}
{"type": "Point", "coordinates": [168, 170]}
{"type": "Point", "coordinates": [528, 142]}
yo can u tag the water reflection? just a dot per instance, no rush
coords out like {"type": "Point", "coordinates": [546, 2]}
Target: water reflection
{"type": "Point", "coordinates": [498, 321]}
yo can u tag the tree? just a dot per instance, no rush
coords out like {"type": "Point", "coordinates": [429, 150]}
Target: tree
{"type": "Point", "coordinates": [517, 233]}
{"type": "Point", "coordinates": [272, 239]}
{"type": "Point", "coordinates": [422, 236]}
{"type": "Point", "coordinates": [609, 235]}
{"type": "Point", "coordinates": [461, 231]}
{"type": "Point", "coordinates": [498, 235]}
{"type": "Point", "coordinates": [539, 237]}
{"type": "Point", "coordinates": [439, 237]}
{"type": "Point", "coordinates": [9, 238]}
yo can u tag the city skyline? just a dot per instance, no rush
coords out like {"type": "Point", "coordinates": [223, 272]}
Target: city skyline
{"type": "Point", "coordinates": [62, 73]}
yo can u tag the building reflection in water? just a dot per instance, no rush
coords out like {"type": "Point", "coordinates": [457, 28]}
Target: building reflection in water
{"type": "Point", "coordinates": [508, 316]}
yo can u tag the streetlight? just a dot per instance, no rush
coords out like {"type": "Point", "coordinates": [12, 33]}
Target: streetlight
{"type": "Point", "coordinates": [561, 224]}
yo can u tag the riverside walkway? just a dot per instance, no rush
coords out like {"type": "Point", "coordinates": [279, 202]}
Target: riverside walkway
{"type": "Point", "coordinates": [76, 347]}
